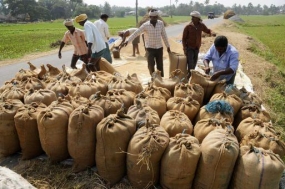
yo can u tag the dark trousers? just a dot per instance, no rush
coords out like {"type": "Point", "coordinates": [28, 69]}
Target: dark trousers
{"type": "Point", "coordinates": [75, 58]}
{"type": "Point", "coordinates": [155, 56]}
{"type": "Point", "coordinates": [192, 58]}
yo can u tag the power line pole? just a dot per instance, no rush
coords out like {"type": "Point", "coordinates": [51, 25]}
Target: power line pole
{"type": "Point", "coordinates": [170, 10]}
{"type": "Point", "coordinates": [137, 19]}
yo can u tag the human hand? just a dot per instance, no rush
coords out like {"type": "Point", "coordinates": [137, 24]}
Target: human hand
{"type": "Point", "coordinates": [207, 70]}
{"type": "Point", "coordinates": [89, 53]}
{"type": "Point", "coordinates": [59, 55]}
{"type": "Point", "coordinates": [168, 50]}
{"type": "Point", "coordinates": [124, 44]}
{"type": "Point", "coordinates": [215, 76]}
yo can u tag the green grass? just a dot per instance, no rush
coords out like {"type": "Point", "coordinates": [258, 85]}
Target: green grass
{"type": "Point", "coordinates": [269, 30]}
{"type": "Point", "coordinates": [18, 40]}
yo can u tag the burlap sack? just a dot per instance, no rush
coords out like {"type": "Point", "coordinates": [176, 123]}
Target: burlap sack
{"type": "Point", "coordinates": [80, 73]}
{"type": "Point", "coordinates": [220, 150]}
{"type": "Point", "coordinates": [102, 75]}
{"type": "Point", "coordinates": [178, 61]}
{"type": "Point", "coordinates": [45, 96]}
{"type": "Point", "coordinates": [265, 138]}
{"type": "Point", "coordinates": [229, 13]}
{"type": "Point", "coordinates": [205, 82]}
{"type": "Point", "coordinates": [58, 87]}
{"type": "Point", "coordinates": [218, 109]}
{"type": "Point", "coordinates": [9, 140]}
{"type": "Point", "coordinates": [232, 99]}
{"type": "Point", "coordinates": [249, 98]}
{"type": "Point", "coordinates": [33, 83]}
{"type": "Point", "coordinates": [13, 93]}
{"type": "Point", "coordinates": [65, 77]}
{"type": "Point", "coordinates": [220, 87]}
{"type": "Point", "coordinates": [52, 126]}
{"type": "Point", "coordinates": [153, 90]}
{"type": "Point", "coordinates": [175, 122]}
{"type": "Point", "coordinates": [130, 83]}
{"type": "Point", "coordinates": [168, 83]}
{"type": "Point", "coordinates": [204, 126]}
{"type": "Point", "coordinates": [106, 66]}
{"type": "Point", "coordinates": [257, 168]}
{"type": "Point", "coordinates": [125, 97]}
{"type": "Point", "coordinates": [23, 75]}
{"type": "Point", "coordinates": [179, 162]}
{"type": "Point", "coordinates": [111, 147]}
{"type": "Point", "coordinates": [77, 100]}
{"type": "Point", "coordinates": [249, 125]}
{"type": "Point", "coordinates": [188, 106]}
{"type": "Point", "coordinates": [109, 104]}
{"type": "Point", "coordinates": [27, 129]}
{"type": "Point", "coordinates": [140, 113]}
{"type": "Point", "coordinates": [184, 90]}
{"type": "Point", "coordinates": [82, 135]}
{"type": "Point", "coordinates": [85, 89]}
{"type": "Point", "coordinates": [98, 84]}
{"type": "Point", "coordinates": [53, 71]}
{"type": "Point", "coordinates": [144, 154]}
{"type": "Point", "coordinates": [9, 84]}
{"type": "Point", "coordinates": [253, 111]}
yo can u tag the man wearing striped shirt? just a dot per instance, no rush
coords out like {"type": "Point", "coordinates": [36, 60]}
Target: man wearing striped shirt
{"type": "Point", "coordinates": [153, 31]}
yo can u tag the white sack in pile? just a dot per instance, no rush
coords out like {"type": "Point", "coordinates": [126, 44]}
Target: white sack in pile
{"type": "Point", "coordinates": [9, 179]}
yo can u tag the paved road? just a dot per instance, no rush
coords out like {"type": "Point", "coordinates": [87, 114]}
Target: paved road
{"type": "Point", "coordinates": [9, 71]}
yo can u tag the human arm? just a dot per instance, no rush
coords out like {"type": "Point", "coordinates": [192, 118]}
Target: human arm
{"type": "Point", "coordinates": [207, 58]}
{"type": "Point", "coordinates": [134, 35]}
{"type": "Point", "coordinates": [206, 30]}
{"type": "Point", "coordinates": [59, 51]}
{"type": "Point", "coordinates": [184, 40]}
{"type": "Point", "coordinates": [164, 37]}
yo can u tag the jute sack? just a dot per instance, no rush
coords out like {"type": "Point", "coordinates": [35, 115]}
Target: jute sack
{"type": "Point", "coordinates": [205, 82]}
{"type": "Point", "coordinates": [249, 125]}
{"type": "Point", "coordinates": [98, 84]}
{"type": "Point", "coordinates": [27, 129]}
{"type": "Point", "coordinates": [58, 87]}
{"type": "Point", "coordinates": [113, 135]}
{"type": "Point", "coordinates": [140, 113]}
{"type": "Point", "coordinates": [157, 103]}
{"type": "Point", "coordinates": [45, 96]}
{"type": "Point", "coordinates": [106, 66]}
{"type": "Point", "coordinates": [64, 76]}
{"type": "Point", "coordinates": [130, 83]}
{"type": "Point", "coordinates": [220, 150]}
{"type": "Point", "coordinates": [253, 111]}
{"type": "Point", "coordinates": [102, 75]}
{"type": "Point", "coordinates": [250, 98]}
{"type": "Point", "coordinates": [23, 75]}
{"type": "Point", "coordinates": [109, 104]}
{"type": "Point", "coordinates": [77, 100]}
{"type": "Point", "coordinates": [33, 83]}
{"type": "Point", "coordinates": [124, 96]}
{"type": "Point", "coordinates": [80, 73]}
{"type": "Point", "coordinates": [85, 89]}
{"type": "Point", "coordinates": [218, 109]}
{"type": "Point", "coordinates": [184, 90]}
{"type": "Point", "coordinates": [265, 138]}
{"type": "Point", "coordinates": [9, 140]}
{"type": "Point", "coordinates": [257, 168]}
{"type": "Point", "coordinates": [144, 154]}
{"type": "Point", "coordinates": [188, 106]}
{"type": "Point", "coordinates": [9, 84]}
{"type": "Point", "coordinates": [178, 61]}
{"type": "Point", "coordinates": [52, 126]}
{"type": "Point", "coordinates": [232, 99]}
{"type": "Point", "coordinates": [175, 121]}
{"type": "Point", "coordinates": [179, 162]}
{"type": "Point", "coordinates": [13, 93]}
{"type": "Point", "coordinates": [204, 126]}
{"type": "Point", "coordinates": [53, 71]}
{"type": "Point", "coordinates": [81, 136]}
{"type": "Point", "coordinates": [153, 90]}
{"type": "Point", "coordinates": [169, 83]}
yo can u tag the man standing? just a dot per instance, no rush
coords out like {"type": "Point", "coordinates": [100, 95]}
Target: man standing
{"type": "Point", "coordinates": [77, 38]}
{"type": "Point", "coordinates": [224, 58]}
{"type": "Point", "coordinates": [135, 42]}
{"type": "Point", "coordinates": [95, 42]}
{"type": "Point", "coordinates": [153, 30]}
{"type": "Point", "coordinates": [191, 40]}
{"type": "Point", "coordinates": [103, 27]}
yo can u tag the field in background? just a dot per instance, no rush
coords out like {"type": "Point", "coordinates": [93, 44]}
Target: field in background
{"type": "Point", "coordinates": [269, 30]}
{"type": "Point", "coordinates": [18, 40]}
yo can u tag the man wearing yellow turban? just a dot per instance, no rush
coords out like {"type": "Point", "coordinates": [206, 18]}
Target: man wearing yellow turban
{"type": "Point", "coordinates": [96, 44]}
{"type": "Point", "coordinates": [77, 38]}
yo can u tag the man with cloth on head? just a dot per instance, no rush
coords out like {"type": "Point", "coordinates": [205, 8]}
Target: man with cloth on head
{"type": "Point", "coordinates": [191, 40]}
{"type": "Point", "coordinates": [225, 59]}
{"type": "Point", "coordinates": [153, 30]}
{"type": "Point", "coordinates": [77, 38]}
{"type": "Point", "coordinates": [95, 42]}
{"type": "Point", "coordinates": [103, 27]}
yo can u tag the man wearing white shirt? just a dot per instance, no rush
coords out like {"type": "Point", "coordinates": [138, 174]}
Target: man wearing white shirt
{"type": "Point", "coordinates": [95, 42]}
{"type": "Point", "coordinates": [153, 31]}
{"type": "Point", "coordinates": [103, 27]}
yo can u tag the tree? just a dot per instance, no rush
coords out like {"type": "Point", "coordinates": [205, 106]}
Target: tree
{"type": "Point", "coordinates": [176, 1]}
{"type": "Point", "coordinates": [207, 2]}
{"type": "Point", "coordinates": [107, 9]}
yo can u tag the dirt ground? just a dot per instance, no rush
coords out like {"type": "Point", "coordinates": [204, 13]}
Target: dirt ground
{"type": "Point", "coordinates": [255, 68]}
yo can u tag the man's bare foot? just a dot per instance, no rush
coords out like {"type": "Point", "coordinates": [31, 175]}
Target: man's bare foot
{"type": "Point", "coordinates": [134, 55]}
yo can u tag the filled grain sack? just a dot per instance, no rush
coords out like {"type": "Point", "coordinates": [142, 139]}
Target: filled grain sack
{"type": "Point", "coordinates": [45, 96]}
{"type": "Point", "coordinates": [184, 90]}
{"type": "Point", "coordinates": [179, 162]}
{"type": "Point", "coordinates": [124, 96]}
{"type": "Point", "coordinates": [220, 150]}
{"type": "Point", "coordinates": [33, 83]}
{"type": "Point", "coordinates": [77, 100]}
{"type": "Point", "coordinates": [106, 66]}
{"type": "Point", "coordinates": [175, 122]}
{"type": "Point", "coordinates": [13, 93]}
{"type": "Point", "coordinates": [81, 136]}
{"type": "Point", "coordinates": [80, 73]}
{"type": "Point", "coordinates": [153, 90]}
{"type": "Point", "coordinates": [141, 113]}
{"type": "Point", "coordinates": [58, 87]}
{"type": "Point", "coordinates": [178, 61]}
{"type": "Point", "coordinates": [27, 129]}
{"type": "Point", "coordinates": [98, 83]}
{"type": "Point", "coordinates": [113, 135]}
{"type": "Point", "coordinates": [9, 140]}
{"type": "Point", "coordinates": [145, 151]}
{"type": "Point", "coordinates": [188, 106]}
{"type": "Point", "coordinates": [85, 89]}
{"type": "Point", "coordinates": [257, 168]}
{"type": "Point", "coordinates": [102, 75]}
{"type": "Point", "coordinates": [129, 83]}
